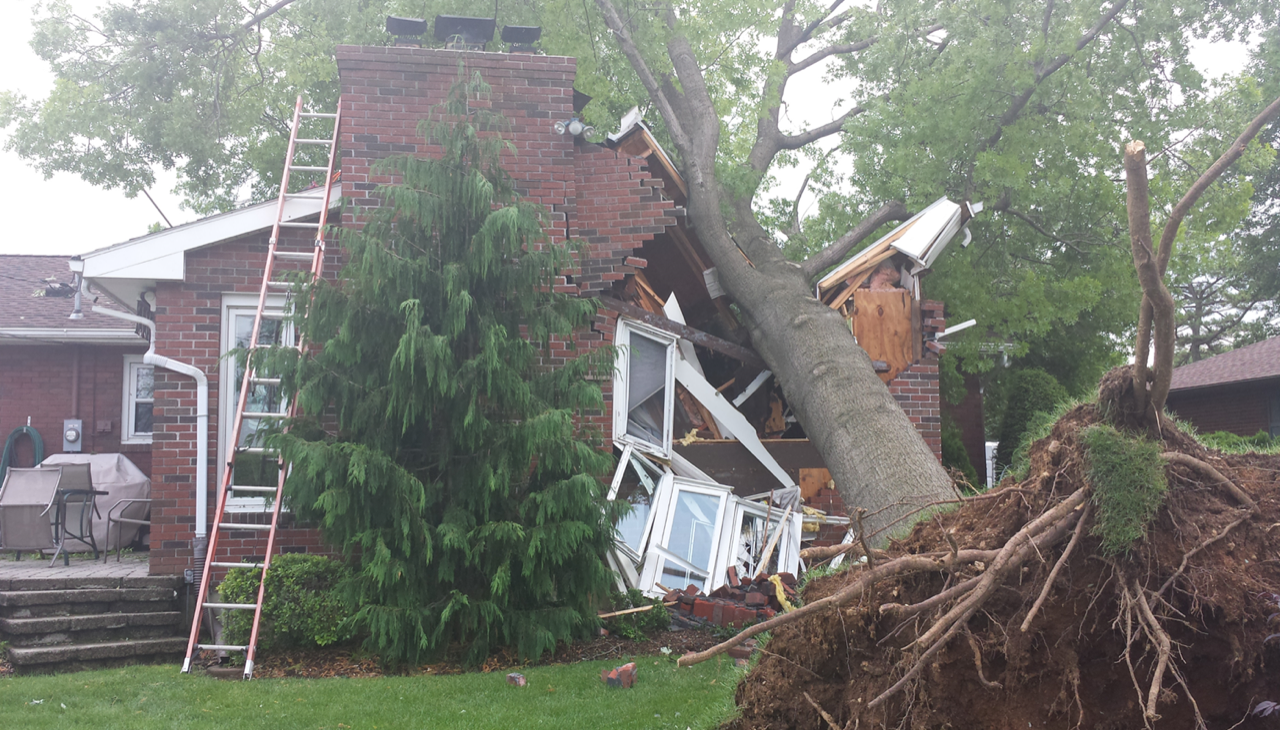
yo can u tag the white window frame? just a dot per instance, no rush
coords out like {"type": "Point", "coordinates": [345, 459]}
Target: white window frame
{"type": "Point", "coordinates": [661, 535]}
{"type": "Point", "coordinates": [621, 407]}
{"type": "Point", "coordinates": [128, 435]}
{"type": "Point", "coordinates": [234, 304]}
{"type": "Point", "coordinates": [786, 550]}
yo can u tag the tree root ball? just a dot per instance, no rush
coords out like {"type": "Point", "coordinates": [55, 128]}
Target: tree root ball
{"type": "Point", "coordinates": [1090, 657]}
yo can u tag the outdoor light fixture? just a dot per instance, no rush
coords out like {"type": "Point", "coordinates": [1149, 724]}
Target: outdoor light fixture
{"type": "Point", "coordinates": [520, 38]}
{"type": "Point", "coordinates": [464, 34]}
{"type": "Point", "coordinates": [408, 31]}
{"type": "Point", "coordinates": [574, 127]}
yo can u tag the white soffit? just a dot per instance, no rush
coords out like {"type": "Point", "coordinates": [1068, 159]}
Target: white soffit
{"type": "Point", "coordinates": [161, 256]}
{"type": "Point", "coordinates": [922, 238]}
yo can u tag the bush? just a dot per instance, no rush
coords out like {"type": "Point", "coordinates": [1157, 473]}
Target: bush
{"type": "Point", "coordinates": [636, 626]}
{"type": "Point", "coordinates": [1129, 485]}
{"type": "Point", "coordinates": [1260, 443]}
{"type": "Point", "coordinates": [955, 456]}
{"type": "Point", "coordinates": [1029, 392]}
{"type": "Point", "coordinates": [302, 607]}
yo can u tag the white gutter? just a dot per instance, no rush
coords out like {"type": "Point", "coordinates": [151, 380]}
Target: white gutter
{"type": "Point", "coordinates": [72, 335]}
{"type": "Point", "coordinates": [202, 420]}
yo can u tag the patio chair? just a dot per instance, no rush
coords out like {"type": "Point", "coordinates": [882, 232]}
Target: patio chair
{"type": "Point", "coordinates": [26, 519]}
{"type": "Point", "coordinates": [120, 520]}
{"type": "Point", "coordinates": [77, 505]}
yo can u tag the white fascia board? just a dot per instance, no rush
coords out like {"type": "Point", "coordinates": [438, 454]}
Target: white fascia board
{"type": "Point", "coordinates": [921, 237]}
{"type": "Point", "coordinates": [161, 256]}
{"type": "Point", "coordinates": [48, 335]}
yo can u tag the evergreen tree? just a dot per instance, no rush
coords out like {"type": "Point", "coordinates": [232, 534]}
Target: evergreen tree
{"type": "Point", "coordinates": [448, 460]}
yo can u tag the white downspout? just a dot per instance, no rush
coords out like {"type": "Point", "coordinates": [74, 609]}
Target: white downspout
{"type": "Point", "coordinates": [202, 422]}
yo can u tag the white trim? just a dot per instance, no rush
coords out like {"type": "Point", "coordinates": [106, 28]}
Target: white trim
{"type": "Point", "coordinates": [235, 304]}
{"type": "Point", "coordinates": [661, 537]}
{"type": "Point", "coordinates": [132, 363]}
{"type": "Point", "coordinates": [621, 405]}
{"type": "Point", "coordinates": [15, 335]}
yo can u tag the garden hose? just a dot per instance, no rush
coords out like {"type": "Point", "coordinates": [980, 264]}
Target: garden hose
{"type": "Point", "coordinates": [12, 442]}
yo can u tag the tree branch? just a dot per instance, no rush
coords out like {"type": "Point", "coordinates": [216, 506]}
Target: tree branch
{"type": "Point", "coordinates": [840, 48]}
{"type": "Point", "coordinates": [1197, 189]}
{"type": "Point", "coordinates": [831, 255]}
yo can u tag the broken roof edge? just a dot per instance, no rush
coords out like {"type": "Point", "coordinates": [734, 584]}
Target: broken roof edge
{"type": "Point", "coordinates": [631, 128]}
{"type": "Point", "coordinates": [922, 238]}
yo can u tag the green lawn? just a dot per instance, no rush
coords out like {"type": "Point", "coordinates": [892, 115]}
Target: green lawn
{"type": "Point", "coordinates": [560, 696]}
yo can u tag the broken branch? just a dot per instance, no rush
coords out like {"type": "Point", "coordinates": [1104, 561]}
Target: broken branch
{"type": "Point", "coordinates": [831, 255]}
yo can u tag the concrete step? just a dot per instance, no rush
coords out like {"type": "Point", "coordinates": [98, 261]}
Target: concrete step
{"type": "Point", "coordinates": [74, 657]}
{"type": "Point", "coordinates": [59, 583]}
{"type": "Point", "coordinates": [86, 601]}
{"type": "Point", "coordinates": [90, 629]}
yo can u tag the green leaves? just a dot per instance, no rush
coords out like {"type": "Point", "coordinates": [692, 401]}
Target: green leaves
{"type": "Point", "coordinates": [451, 464]}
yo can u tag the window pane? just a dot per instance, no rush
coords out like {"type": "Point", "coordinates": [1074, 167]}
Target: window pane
{"type": "Point", "coordinates": [255, 470]}
{"type": "Point", "coordinates": [142, 413]}
{"type": "Point", "coordinates": [693, 528]}
{"type": "Point", "coordinates": [631, 527]}
{"type": "Point", "coordinates": [646, 389]}
{"type": "Point", "coordinates": [144, 383]}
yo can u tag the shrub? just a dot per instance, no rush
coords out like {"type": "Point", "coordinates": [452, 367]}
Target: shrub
{"type": "Point", "coordinates": [1129, 485]}
{"type": "Point", "coordinates": [1260, 443]}
{"type": "Point", "coordinates": [636, 626]}
{"type": "Point", "coordinates": [302, 607]}
{"type": "Point", "coordinates": [955, 456]}
{"type": "Point", "coordinates": [1028, 392]}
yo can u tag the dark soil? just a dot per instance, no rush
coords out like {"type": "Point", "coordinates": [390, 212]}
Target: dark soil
{"type": "Point", "coordinates": [349, 662]}
{"type": "Point", "coordinates": [1069, 669]}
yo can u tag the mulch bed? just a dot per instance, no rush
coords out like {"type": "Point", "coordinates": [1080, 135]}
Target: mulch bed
{"type": "Point", "coordinates": [350, 662]}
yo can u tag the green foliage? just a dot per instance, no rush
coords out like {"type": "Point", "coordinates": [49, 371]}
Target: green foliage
{"type": "Point", "coordinates": [1028, 392]}
{"type": "Point", "coordinates": [302, 606]}
{"type": "Point", "coordinates": [1225, 441]}
{"type": "Point", "coordinates": [637, 626]}
{"type": "Point", "coordinates": [457, 471]}
{"type": "Point", "coordinates": [954, 454]}
{"type": "Point", "coordinates": [1129, 485]}
{"type": "Point", "coordinates": [1039, 426]}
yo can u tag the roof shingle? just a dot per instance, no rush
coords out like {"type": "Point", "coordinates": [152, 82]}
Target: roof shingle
{"type": "Point", "coordinates": [1258, 361]}
{"type": "Point", "coordinates": [29, 296]}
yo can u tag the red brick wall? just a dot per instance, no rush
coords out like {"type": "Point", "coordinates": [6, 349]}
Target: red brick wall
{"type": "Point", "coordinates": [35, 381]}
{"type": "Point", "coordinates": [1241, 409]}
{"type": "Point", "coordinates": [188, 320]}
{"type": "Point", "coordinates": [916, 388]}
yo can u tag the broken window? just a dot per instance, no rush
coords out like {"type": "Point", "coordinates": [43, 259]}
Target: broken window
{"type": "Point", "coordinates": [644, 388]}
{"type": "Point", "coordinates": [686, 543]}
{"type": "Point", "coordinates": [636, 482]}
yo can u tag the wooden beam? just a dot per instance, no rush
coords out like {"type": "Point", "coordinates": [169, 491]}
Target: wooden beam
{"type": "Point", "coordinates": [697, 337]}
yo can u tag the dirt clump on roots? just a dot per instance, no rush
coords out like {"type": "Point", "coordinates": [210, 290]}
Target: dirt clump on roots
{"type": "Point", "coordinates": [1172, 634]}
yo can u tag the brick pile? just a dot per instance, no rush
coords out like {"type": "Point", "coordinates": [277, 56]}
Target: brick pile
{"type": "Point", "coordinates": [736, 605]}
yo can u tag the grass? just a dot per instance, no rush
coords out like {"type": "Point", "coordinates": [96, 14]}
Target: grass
{"type": "Point", "coordinates": [1129, 485]}
{"type": "Point", "coordinates": [557, 696]}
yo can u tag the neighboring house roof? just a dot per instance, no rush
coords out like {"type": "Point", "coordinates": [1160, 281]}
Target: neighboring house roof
{"type": "Point", "coordinates": [1259, 361]}
{"type": "Point", "coordinates": [124, 271]}
{"type": "Point", "coordinates": [36, 300]}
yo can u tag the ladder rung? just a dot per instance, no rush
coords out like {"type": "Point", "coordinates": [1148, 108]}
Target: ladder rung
{"type": "Point", "coordinates": [222, 647]}
{"type": "Point", "coordinates": [235, 565]}
{"type": "Point", "coordinates": [299, 224]}
{"type": "Point", "coordinates": [264, 381]}
{"type": "Point", "coordinates": [280, 283]}
{"type": "Point", "coordinates": [263, 414]}
{"type": "Point", "coordinates": [318, 115]}
{"type": "Point", "coordinates": [308, 168]}
{"type": "Point", "coordinates": [232, 606]}
{"type": "Point", "coordinates": [325, 142]}
{"type": "Point", "coordinates": [256, 450]}
{"type": "Point", "coordinates": [260, 490]}
{"type": "Point", "coordinates": [242, 525]}
{"type": "Point", "coordinates": [295, 255]}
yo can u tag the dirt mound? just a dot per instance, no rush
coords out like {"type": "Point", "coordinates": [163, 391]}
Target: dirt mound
{"type": "Point", "coordinates": [1088, 656]}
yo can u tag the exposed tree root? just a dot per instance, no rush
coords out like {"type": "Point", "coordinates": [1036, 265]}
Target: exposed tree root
{"type": "Point", "coordinates": [1174, 457]}
{"type": "Point", "coordinates": [831, 723]}
{"type": "Point", "coordinates": [1164, 647]}
{"type": "Point", "coordinates": [1057, 567]}
{"type": "Point", "coordinates": [977, 660]}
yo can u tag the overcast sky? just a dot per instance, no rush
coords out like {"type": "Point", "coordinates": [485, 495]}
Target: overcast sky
{"type": "Point", "coordinates": [65, 215]}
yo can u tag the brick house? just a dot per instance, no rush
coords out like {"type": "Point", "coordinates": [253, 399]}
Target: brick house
{"type": "Point", "coordinates": [199, 283]}
{"type": "Point", "coordinates": [54, 368]}
{"type": "Point", "coordinates": [1237, 391]}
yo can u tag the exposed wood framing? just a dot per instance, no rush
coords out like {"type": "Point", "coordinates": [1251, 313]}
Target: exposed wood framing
{"type": "Point", "coordinates": [697, 337]}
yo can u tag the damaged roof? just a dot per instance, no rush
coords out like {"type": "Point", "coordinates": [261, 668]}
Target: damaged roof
{"type": "Point", "coordinates": [36, 300]}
